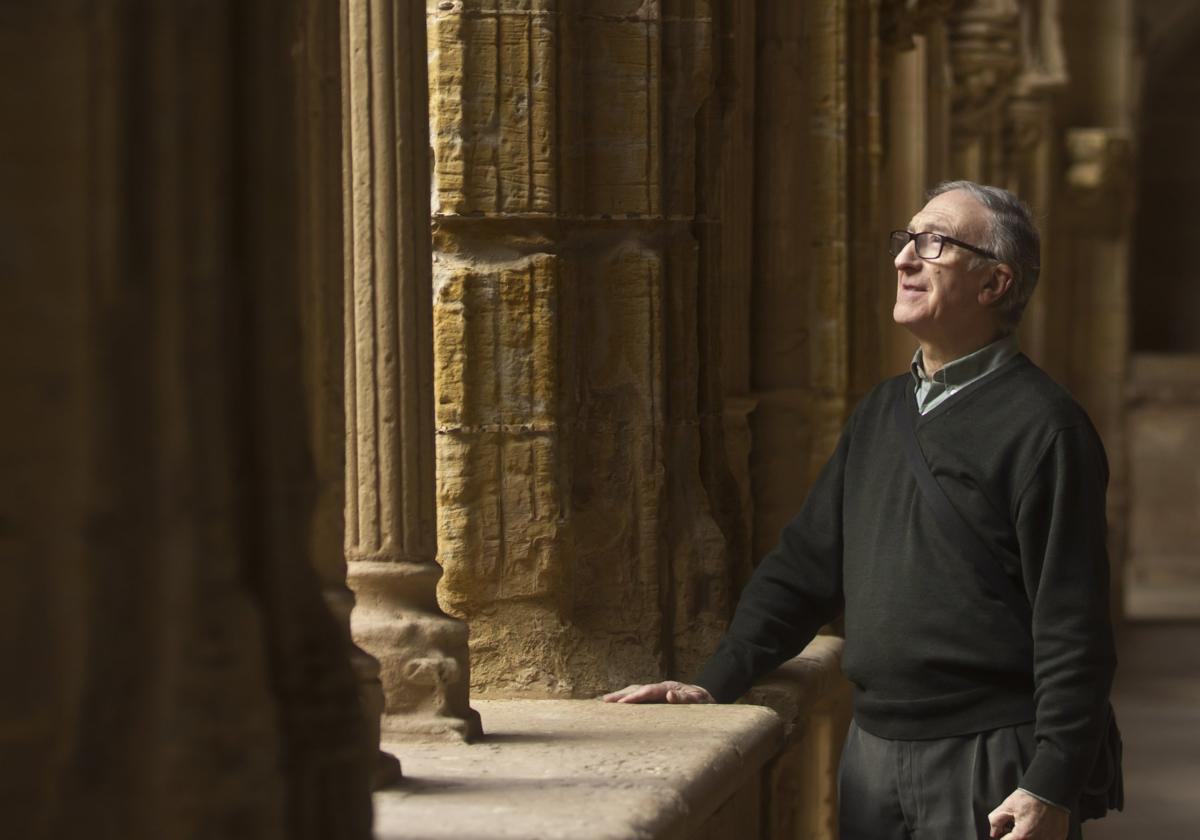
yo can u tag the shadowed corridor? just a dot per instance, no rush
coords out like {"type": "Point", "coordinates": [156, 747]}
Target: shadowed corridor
{"type": "Point", "coordinates": [1157, 698]}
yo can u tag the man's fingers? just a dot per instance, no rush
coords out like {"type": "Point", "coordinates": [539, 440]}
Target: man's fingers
{"type": "Point", "coordinates": [614, 696]}
{"type": "Point", "coordinates": [652, 693]}
{"type": "Point", "coordinates": [630, 694]}
{"type": "Point", "coordinates": [1001, 821]}
{"type": "Point", "coordinates": [669, 691]}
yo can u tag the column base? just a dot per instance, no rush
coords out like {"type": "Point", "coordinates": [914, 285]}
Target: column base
{"type": "Point", "coordinates": [387, 772]}
{"type": "Point", "coordinates": [422, 653]}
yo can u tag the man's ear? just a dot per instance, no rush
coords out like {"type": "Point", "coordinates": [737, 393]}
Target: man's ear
{"type": "Point", "coordinates": [997, 285]}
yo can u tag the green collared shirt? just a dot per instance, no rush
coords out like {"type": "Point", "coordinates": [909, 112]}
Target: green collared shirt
{"type": "Point", "coordinates": [934, 390]}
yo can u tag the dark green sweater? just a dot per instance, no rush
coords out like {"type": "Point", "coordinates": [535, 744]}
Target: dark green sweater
{"type": "Point", "coordinates": [931, 652]}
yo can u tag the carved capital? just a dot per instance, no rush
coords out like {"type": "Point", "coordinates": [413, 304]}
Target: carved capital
{"type": "Point", "coordinates": [985, 56]}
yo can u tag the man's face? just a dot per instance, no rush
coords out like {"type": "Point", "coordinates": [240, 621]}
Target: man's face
{"type": "Point", "coordinates": [937, 298]}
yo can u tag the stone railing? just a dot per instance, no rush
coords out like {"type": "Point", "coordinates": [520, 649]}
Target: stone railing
{"type": "Point", "coordinates": [570, 768]}
{"type": "Point", "coordinates": [812, 698]}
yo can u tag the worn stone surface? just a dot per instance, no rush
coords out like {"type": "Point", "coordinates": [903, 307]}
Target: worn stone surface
{"type": "Point", "coordinates": [581, 768]}
{"type": "Point", "coordinates": [564, 768]}
{"type": "Point", "coordinates": [575, 523]}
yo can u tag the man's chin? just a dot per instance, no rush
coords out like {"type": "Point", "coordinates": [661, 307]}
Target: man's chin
{"type": "Point", "coordinates": [904, 316]}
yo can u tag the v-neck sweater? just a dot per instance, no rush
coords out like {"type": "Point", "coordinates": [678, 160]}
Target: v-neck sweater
{"type": "Point", "coordinates": [930, 651]}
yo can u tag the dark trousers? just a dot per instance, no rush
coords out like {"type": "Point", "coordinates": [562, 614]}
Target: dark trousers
{"type": "Point", "coordinates": [941, 789]}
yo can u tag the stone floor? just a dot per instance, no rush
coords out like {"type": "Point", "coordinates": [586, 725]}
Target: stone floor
{"type": "Point", "coordinates": [1157, 698]}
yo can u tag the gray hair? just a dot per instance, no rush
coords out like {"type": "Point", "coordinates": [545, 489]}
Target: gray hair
{"type": "Point", "coordinates": [1012, 236]}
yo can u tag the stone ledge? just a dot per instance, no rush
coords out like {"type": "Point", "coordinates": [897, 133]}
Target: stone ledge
{"type": "Point", "coordinates": [579, 768]}
{"type": "Point", "coordinates": [803, 684]}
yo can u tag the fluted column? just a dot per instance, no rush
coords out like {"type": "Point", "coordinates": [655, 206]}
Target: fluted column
{"type": "Point", "coordinates": [391, 540]}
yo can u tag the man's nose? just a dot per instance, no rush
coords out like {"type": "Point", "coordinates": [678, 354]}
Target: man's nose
{"type": "Point", "coordinates": [907, 259]}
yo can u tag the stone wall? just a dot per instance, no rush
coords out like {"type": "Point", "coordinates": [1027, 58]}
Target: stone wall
{"type": "Point", "coordinates": [572, 366]}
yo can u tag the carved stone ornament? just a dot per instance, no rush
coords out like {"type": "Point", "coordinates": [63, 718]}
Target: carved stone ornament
{"type": "Point", "coordinates": [985, 56]}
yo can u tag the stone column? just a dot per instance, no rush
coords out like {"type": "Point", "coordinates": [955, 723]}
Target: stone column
{"type": "Point", "coordinates": [391, 538]}
{"type": "Point", "coordinates": [914, 137]}
{"type": "Point", "coordinates": [170, 667]}
{"type": "Point", "coordinates": [1032, 163]}
{"type": "Point", "coordinates": [801, 301]}
{"type": "Point", "coordinates": [730, 261]}
{"type": "Point", "coordinates": [1092, 263]}
{"type": "Point", "coordinates": [321, 265]}
{"type": "Point", "coordinates": [869, 269]}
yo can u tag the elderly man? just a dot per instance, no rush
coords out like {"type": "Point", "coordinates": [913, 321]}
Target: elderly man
{"type": "Point", "coordinates": [977, 712]}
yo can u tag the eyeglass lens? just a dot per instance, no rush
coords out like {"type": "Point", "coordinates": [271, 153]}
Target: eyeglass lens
{"type": "Point", "coordinates": [929, 245]}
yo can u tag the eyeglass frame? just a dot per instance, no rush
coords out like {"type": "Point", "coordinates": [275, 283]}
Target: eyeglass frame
{"type": "Point", "coordinates": [912, 237]}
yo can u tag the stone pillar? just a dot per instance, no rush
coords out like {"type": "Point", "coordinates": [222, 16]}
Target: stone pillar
{"type": "Point", "coordinates": [391, 541]}
{"type": "Point", "coordinates": [1092, 263]}
{"type": "Point", "coordinates": [321, 265]}
{"type": "Point", "coordinates": [729, 259]}
{"type": "Point", "coordinates": [573, 308]}
{"type": "Point", "coordinates": [801, 302]}
{"type": "Point", "coordinates": [1032, 163]}
{"type": "Point", "coordinates": [869, 267]}
{"type": "Point", "coordinates": [915, 138]}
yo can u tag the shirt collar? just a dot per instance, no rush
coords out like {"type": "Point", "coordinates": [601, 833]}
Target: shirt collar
{"type": "Point", "coordinates": [970, 367]}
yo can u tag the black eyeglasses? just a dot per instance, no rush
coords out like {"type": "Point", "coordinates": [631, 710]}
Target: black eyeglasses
{"type": "Point", "coordinates": [929, 244]}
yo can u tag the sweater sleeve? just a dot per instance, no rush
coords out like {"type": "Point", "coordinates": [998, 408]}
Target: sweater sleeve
{"type": "Point", "coordinates": [1061, 529]}
{"type": "Point", "coordinates": [795, 590]}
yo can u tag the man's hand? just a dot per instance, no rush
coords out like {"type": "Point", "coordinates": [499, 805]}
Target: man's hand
{"type": "Point", "coordinates": [668, 691]}
{"type": "Point", "coordinates": [1030, 819]}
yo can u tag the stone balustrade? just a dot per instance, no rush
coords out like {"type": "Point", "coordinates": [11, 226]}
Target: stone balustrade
{"type": "Point", "coordinates": [582, 768]}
